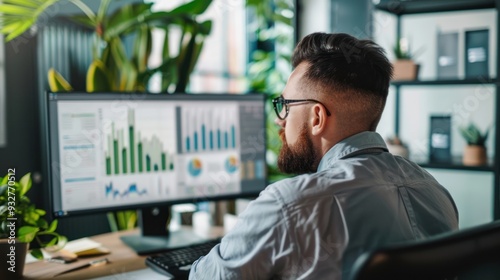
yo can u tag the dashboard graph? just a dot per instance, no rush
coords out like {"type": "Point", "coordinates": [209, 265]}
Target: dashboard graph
{"type": "Point", "coordinates": [209, 128]}
{"type": "Point", "coordinates": [129, 152]}
{"type": "Point", "coordinates": [209, 150]}
{"type": "Point", "coordinates": [112, 151]}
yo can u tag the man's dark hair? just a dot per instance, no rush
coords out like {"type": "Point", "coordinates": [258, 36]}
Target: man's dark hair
{"type": "Point", "coordinates": [354, 72]}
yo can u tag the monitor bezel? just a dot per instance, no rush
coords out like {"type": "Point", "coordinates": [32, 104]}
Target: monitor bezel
{"type": "Point", "coordinates": [124, 96]}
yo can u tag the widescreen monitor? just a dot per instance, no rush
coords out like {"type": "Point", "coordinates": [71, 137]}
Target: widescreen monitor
{"type": "Point", "coordinates": [112, 151]}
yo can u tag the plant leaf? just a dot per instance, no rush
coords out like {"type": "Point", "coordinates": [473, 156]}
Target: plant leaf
{"type": "Point", "coordinates": [131, 219]}
{"type": "Point", "coordinates": [27, 233]}
{"type": "Point", "coordinates": [195, 7]}
{"type": "Point", "coordinates": [57, 83]}
{"type": "Point", "coordinates": [142, 47]}
{"type": "Point", "coordinates": [118, 52]}
{"type": "Point", "coordinates": [184, 63]}
{"type": "Point", "coordinates": [97, 77]}
{"type": "Point", "coordinates": [3, 189]}
{"type": "Point", "coordinates": [18, 16]}
{"type": "Point", "coordinates": [3, 209]}
{"type": "Point", "coordinates": [86, 10]}
{"type": "Point", "coordinates": [84, 21]}
{"type": "Point", "coordinates": [52, 227]}
{"type": "Point", "coordinates": [103, 8]}
{"type": "Point", "coordinates": [20, 29]}
{"type": "Point", "coordinates": [15, 10]}
{"type": "Point", "coordinates": [25, 184]}
{"type": "Point", "coordinates": [128, 79]}
{"type": "Point", "coordinates": [112, 222]}
{"type": "Point", "coordinates": [124, 19]}
{"type": "Point", "coordinates": [206, 27]}
{"type": "Point", "coordinates": [27, 3]}
{"type": "Point", "coordinates": [37, 253]}
{"type": "Point", "coordinates": [120, 217]}
{"type": "Point", "coordinates": [4, 180]}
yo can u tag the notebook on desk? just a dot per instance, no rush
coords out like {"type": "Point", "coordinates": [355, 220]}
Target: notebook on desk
{"type": "Point", "coordinates": [85, 247]}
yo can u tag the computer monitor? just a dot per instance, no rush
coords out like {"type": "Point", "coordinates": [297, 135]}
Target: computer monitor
{"type": "Point", "coordinates": [112, 151]}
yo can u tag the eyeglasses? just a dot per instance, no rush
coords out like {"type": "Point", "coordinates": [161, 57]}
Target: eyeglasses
{"type": "Point", "coordinates": [281, 105]}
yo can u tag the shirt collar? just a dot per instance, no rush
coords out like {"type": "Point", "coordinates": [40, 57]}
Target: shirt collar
{"type": "Point", "coordinates": [358, 142]}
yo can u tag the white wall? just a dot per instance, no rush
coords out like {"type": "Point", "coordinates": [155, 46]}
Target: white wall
{"type": "Point", "coordinates": [472, 191]}
{"type": "Point", "coordinates": [314, 17]}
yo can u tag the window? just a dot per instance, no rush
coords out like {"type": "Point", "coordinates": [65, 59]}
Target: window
{"type": "Point", "coordinates": [222, 64]}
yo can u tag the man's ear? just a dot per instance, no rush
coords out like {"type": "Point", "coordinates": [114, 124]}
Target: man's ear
{"type": "Point", "coordinates": [318, 120]}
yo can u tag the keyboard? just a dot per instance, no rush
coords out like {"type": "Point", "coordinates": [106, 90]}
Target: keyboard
{"type": "Point", "coordinates": [176, 263]}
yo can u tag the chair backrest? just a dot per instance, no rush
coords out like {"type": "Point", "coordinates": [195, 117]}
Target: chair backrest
{"type": "Point", "coordinates": [472, 253]}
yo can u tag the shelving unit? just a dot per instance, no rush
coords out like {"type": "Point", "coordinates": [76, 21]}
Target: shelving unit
{"type": "Point", "coordinates": [401, 8]}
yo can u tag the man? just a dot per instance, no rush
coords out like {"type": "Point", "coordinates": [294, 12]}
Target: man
{"type": "Point", "coordinates": [352, 196]}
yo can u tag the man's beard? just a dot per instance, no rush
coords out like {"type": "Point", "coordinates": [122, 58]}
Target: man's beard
{"type": "Point", "coordinates": [299, 158]}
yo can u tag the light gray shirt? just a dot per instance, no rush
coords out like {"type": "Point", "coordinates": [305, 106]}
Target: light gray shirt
{"type": "Point", "coordinates": [314, 226]}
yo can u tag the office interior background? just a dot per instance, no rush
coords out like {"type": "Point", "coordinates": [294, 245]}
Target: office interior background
{"type": "Point", "coordinates": [224, 65]}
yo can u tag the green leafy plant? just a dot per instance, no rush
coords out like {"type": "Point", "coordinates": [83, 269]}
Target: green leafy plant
{"type": "Point", "coordinates": [112, 68]}
{"type": "Point", "coordinates": [473, 135]}
{"type": "Point", "coordinates": [17, 212]}
{"type": "Point", "coordinates": [270, 66]}
{"type": "Point", "coordinates": [122, 220]}
{"type": "Point", "coordinates": [402, 49]}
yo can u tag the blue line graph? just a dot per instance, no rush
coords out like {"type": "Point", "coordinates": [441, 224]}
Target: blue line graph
{"type": "Point", "coordinates": [131, 190]}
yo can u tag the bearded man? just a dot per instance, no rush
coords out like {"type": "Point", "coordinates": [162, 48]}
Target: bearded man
{"type": "Point", "coordinates": [348, 194]}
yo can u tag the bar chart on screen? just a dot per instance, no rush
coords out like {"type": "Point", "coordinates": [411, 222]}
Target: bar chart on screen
{"type": "Point", "coordinates": [138, 142]}
{"type": "Point", "coordinates": [209, 160]}
{"type": "Point", "coordinates": [128, 150]}
{"type": "Point", "coordinates": [209, 128]}
{"type": "Point", "coordinates": [113, 144]}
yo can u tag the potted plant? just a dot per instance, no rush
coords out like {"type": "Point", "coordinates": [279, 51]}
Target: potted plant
{"type": "Point", "coordinates": [405, 68]}
{"type": "Point", "coordinates": [21, 222]}
{"type": "Point", "coordinates": [475, 151]}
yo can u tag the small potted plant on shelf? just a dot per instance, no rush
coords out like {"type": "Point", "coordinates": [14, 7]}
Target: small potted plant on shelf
{"type": "Point", "coordinates": [475, 151]}
{"type": "Point", "coordinates": [21, 222]}
{"type": "Point", "coordinates": [405, 68]}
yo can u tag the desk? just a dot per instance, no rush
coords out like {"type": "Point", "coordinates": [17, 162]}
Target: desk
{"type": "Point", "coordinates": [122, 259]}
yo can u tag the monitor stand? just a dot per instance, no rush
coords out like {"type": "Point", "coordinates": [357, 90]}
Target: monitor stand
{"type": "Point", "coordinates": [155, 236]}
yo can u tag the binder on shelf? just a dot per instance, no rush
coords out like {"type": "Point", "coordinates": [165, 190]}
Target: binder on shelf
{"type": "Point", "coordinates": [440, 139]}
{"type": "Point", "coordinates": [447, 55]}
{"type": "Point", "coordinates": [476, 53]}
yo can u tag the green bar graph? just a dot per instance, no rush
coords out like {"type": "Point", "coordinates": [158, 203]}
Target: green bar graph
{"type": "Point", "coordinates": [135, 153]}
{"type": "Point", "coordinates": [132, 148]}
{"type": "Point", "coordinates": [108, 166]}
{"type": "Point", "coordinates": [116, 158]}
{"type": "Point", "coordinates": [124, 159]}
{"type": "Point", "coordinates": [148, 163]}
{"type": "Point", "coordinates": [171, 163]}
{"type": "Point", "coordinates": [163, 161]}
{"type": "Point", "coordinates": [139, 151]}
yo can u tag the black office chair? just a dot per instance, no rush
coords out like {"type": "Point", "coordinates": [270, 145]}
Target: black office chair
{"type": "Point", "coordinates": [472, 253]}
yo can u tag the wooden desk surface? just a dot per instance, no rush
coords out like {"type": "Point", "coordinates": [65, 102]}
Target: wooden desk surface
{"type": "Point", "coordinates": [122, 259]}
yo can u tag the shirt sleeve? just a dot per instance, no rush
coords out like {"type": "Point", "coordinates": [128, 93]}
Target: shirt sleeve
{"type": "Point", "coordinates": [256, 248]}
